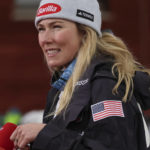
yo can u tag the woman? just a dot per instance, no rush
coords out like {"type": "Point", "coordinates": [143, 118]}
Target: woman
{"type": "Point", "coordinates": [92, 104]}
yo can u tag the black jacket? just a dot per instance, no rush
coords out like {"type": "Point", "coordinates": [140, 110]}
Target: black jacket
{"type": "Point", "coordinates": [76, 130]}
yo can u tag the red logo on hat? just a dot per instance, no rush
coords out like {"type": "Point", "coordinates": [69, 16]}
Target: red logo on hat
{"type": "Point", "coordinates": [49, 8]}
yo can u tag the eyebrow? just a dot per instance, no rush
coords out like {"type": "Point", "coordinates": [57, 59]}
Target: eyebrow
{"type": "Point", "coordinates": [52, 23]}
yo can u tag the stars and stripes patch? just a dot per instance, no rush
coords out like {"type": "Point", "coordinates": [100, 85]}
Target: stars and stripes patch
{"type": "Point", "coordinates": [107, 108]}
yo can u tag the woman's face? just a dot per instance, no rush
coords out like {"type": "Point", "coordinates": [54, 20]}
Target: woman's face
{"type": "Point", "coordinates": [60, 41]}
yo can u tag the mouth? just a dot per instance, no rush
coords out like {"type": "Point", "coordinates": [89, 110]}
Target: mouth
{"type": "Point", "coordinates": [52, 52]}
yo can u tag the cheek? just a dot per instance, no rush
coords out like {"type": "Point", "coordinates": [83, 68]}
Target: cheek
{"type": "Point", "coordinates": [68, 41]}
{"type": "Point", "coordinates": [61, 38]}
{"type": "Point", "coordinates": [41, 44]}
{"type": "Point", "coordinates": [40, 41]}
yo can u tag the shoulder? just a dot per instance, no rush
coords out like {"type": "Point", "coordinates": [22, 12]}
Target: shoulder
{"type": "Point", "coordinates": [100, 66]}
{"type": "Point", "coordinates": [103, 68]}
{"type": "Point", "coordinates": [103, 81]}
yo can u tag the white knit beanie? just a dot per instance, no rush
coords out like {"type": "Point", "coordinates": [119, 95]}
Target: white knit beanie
{"type": "Point", "coordinates": [85, 12]}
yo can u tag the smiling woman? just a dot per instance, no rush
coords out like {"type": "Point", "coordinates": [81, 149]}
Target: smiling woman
{"type": "Point", "coordinates": [60, 41]}
{"type": "Point", "coordinates": [95, 96]}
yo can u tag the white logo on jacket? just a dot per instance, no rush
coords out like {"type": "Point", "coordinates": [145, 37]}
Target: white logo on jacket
{"type": "Point", "coordinates": [82, 82]}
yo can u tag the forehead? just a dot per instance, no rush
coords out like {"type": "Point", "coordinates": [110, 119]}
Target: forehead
{"type": "Point", "coordinates": [55, 20]}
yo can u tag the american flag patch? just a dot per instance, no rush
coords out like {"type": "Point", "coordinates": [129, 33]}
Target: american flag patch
{"type": "Point", "coordinates": [107, 108]}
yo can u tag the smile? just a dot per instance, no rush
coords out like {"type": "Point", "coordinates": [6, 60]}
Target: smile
{"type": "Point", "coordinates": [52, 52]}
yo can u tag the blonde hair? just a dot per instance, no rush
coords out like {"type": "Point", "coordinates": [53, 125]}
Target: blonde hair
{"type": "Point", "coordinates": [108, 44]}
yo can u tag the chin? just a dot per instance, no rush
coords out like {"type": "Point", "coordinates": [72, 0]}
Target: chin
{"type": "Point", "coordinates": [53, 67]}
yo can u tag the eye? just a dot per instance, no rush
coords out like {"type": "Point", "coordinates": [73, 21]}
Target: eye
{"type": "Point", "coordinates": [57, 26]}
{"type": "Point", "coordinates": [40, 29]}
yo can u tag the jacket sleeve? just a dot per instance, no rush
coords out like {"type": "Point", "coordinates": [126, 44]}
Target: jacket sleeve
{"type": "Point", "coordinates": [108, 130]}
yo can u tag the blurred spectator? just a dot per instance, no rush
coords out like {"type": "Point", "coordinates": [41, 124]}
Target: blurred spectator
{"type": "Point", "coordinates": [34, 116]}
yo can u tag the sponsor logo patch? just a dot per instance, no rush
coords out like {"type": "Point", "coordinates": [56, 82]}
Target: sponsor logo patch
{"type": "Point", "coordinates": [83, 82]}
{"type": "Point", "coordinates": [107, 108]}
{"type": "Point", "coordinates": [85, 15]}
{"type": "Point", "coordinates": [49, 8]}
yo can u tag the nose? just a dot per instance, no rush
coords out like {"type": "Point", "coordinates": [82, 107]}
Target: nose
{"type": "Point", "coordinates": [45, 37]}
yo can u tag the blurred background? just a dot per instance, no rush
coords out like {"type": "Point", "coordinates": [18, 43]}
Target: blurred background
{"type": "Point", "coordinates": [24, 77]}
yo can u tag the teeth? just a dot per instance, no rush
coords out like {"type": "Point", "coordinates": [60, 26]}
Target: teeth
{"type": "Point", "coordinates": [50, 52]}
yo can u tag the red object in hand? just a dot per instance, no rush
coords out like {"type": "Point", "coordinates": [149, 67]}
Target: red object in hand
{"type": "Point", "coordinates": [2, 148]}
{"type": "Point", "coordinates": [5, 133]}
